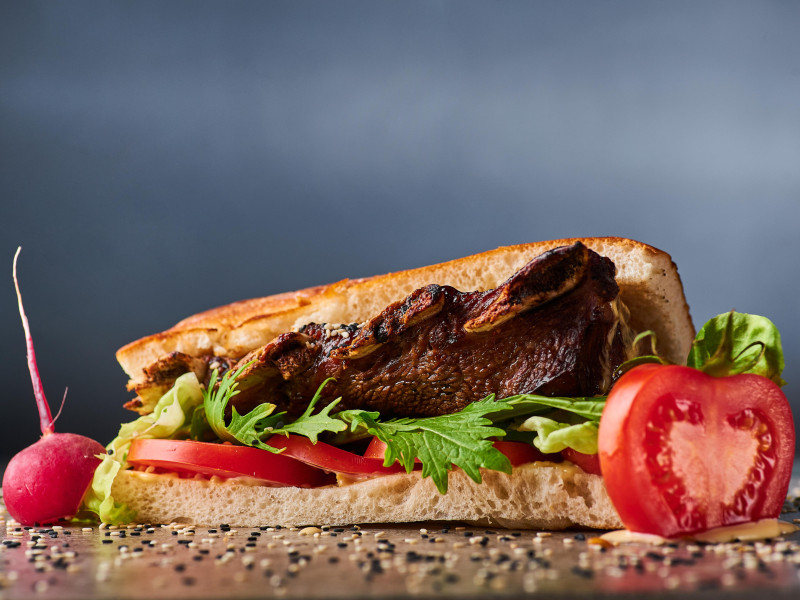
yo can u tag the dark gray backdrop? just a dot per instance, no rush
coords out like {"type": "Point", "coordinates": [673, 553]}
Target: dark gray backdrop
{"type": "Point", "coordinates": [159, 158]}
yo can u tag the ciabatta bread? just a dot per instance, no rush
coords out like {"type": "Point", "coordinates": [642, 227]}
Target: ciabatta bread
{"type": "Point", "coordinates": [649, 286]}
{"type": "Point", "coordinates": [534, 496]}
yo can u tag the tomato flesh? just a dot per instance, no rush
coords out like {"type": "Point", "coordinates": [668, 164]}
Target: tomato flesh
{"type": "Point", "coordinates": [682, 452]}
{"type": "Point", "coordinates": [330, 458]}
{"type": "Point", "coordinates": [226, 460]}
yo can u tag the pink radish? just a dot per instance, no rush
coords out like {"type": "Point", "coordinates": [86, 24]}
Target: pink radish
{"type": "Point", "coordinates": [47, 480]}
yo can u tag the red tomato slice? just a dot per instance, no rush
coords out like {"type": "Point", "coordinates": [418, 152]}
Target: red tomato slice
{"type": "Point", "coordinates": [377, 450]}
{"type": "Point", "coordinates": [518, 453]}
{"type": "Point", "coordinates": [590, 463]}
{"type": "Point", "coordinates": [226, 460]}
{"type": "Point", "coordinates": [331, 458]}
{"type": "Point", "coordinates": [683, 452]}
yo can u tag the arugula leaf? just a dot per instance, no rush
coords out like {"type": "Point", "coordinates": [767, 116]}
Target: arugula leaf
{"type": "Point", "coordinates": [309, 425]}
{"type": "Point", "coordinates": [241, 429]}
{"type": "Point", "coordinates": [461, 439]}
{"type": "Point", "coordinates": [253, 428]}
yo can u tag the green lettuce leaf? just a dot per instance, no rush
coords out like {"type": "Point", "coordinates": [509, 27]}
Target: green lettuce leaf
{"type": "Point", "coordinates": [312, 425]}
{"type": "Point", "coordinates": [170, 418]}
{"type": "Point", "coordinates": [552, 436]}
{"type": "Point", "coordinates": [734, 343]}
{"type": "Point", "coordinates": [98, 499]}
{"type": "Point", "coordinates": [529, 404]}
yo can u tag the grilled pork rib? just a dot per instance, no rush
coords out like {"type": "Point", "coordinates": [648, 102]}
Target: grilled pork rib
{"type": "Point", "coordinates": [553, 328]}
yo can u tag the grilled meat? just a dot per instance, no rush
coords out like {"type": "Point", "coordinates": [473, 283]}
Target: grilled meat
{"type": "Point", "coordinates": [556, 327]}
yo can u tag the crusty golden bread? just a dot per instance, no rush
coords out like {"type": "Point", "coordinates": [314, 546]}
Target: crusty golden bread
{"type": "Point", "coordinates": [534, 496]}
{"type": "Point", "coordinates": [649, 282]}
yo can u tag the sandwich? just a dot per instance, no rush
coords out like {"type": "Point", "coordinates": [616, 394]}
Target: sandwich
{"type": "Point", "coordinates": [464, 391]}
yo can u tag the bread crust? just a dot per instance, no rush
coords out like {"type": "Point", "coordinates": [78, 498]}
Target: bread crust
{"type": "Point", "coordinates": [535, 496]}
{"type": "Point", "coordinates": [649, 285]}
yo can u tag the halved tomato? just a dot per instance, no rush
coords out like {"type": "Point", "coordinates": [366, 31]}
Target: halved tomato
{"type": "Point", "coordinates": [683, 452]}
{"type": "Point", "coordinates": [518, 453]}
{"type": "Point", "coordinates": [226, 460]}
{"type": "Point", "coordinates": [330, 458]}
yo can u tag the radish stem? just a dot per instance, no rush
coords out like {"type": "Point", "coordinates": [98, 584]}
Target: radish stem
{"type": "Point", "coordinates": [45, 418]}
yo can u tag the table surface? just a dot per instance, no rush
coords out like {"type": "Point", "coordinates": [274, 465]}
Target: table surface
{"type": "Point", "coordinates": [424, 560]}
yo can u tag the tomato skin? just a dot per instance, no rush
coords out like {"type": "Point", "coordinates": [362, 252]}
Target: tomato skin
{"type": "Point", "coordinates": [226, 460]}
{"type": "Point", "coordinates": [519, 453]}
{"type": "Point", "coordinates": [682, 452]}
{"type": "Point", "coordinates": [590, 463]}
{"type": "Point", "coordinates": [330, 458]}
{"type": "Point", "coordinates": [377, 450]}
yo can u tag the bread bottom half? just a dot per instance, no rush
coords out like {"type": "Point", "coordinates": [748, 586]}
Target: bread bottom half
{"type": "Point", "coordinates": [535, 496]}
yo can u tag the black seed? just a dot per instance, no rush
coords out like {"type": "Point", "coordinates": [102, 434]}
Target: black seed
{"type": "Point", "coordinates": [585, 573]}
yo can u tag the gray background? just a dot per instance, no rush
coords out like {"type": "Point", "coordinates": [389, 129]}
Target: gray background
{"type": "Point", "coordinates": [160, 158]}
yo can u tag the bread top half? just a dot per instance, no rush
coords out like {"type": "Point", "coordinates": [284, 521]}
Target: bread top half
{"type": "Point", "coordinates": [649, 283]}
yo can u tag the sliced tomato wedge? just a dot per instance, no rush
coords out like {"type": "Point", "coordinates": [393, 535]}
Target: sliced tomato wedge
{"type": "Point", "coordinates": [683, 452]}
{"type": "Point", "coordinates": [226, 460]}
{"type": "Point", "coordinates": [518, 453]}
{"type": "Point", "coordinates": [590, 463]}
{"type": "Point", "coordinates": [330, 458]}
